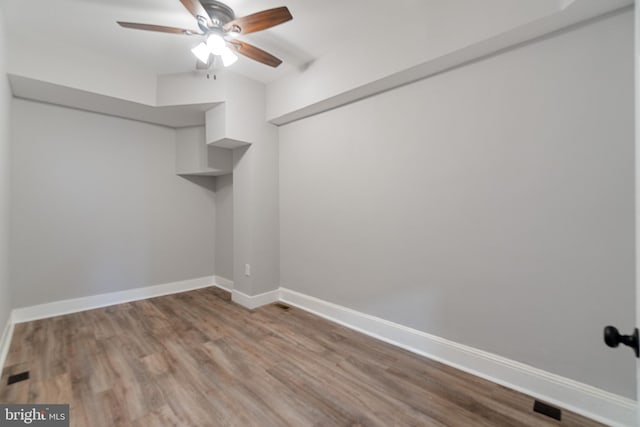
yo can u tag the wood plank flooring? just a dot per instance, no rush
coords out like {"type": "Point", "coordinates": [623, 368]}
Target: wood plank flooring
{"type": "Point", "coordinates": [197, 359]}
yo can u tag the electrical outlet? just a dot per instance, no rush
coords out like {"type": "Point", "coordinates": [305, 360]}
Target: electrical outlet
{"type": "Point", "coordinates": [247, 270]}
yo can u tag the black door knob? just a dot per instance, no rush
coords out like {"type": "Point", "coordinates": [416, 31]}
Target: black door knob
{"type": "Point", "coordinates": [613, 338]}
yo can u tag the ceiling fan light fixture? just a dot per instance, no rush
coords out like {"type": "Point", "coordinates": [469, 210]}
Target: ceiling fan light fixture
{"type": "Point", "coordinates": [220, 26]}
{"type": "Point", "coordinates": [216, 44]}
{"type": "Point", "coordinates": [202, 52]}
{"type": "Point", "coordinates": [228, 57]}
{"type": "Point", "coordinates": [235, 31]}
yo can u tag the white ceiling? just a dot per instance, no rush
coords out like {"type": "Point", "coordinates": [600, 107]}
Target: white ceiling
{"type": "Point", "coordinates": [91, 24]}
{"type": "Point", "coordinates": [316, 28]}
{"type": "Point", "coordinates": [72, 52]}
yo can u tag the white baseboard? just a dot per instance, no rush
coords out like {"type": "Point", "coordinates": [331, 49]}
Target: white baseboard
{"type": "Point", "coordinates": [5, 341]}
{"type": "Point", "coordinates": [255, 301]}
{"type": "Point", "coordinates": [223, 283]}
{"type": "Point", "coordinates": [583, 399]}
{"type": "Point", "coordinates": [75, 305]}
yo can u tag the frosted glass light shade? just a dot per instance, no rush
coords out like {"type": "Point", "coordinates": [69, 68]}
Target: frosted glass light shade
{"type": "Point", "coordinates": [202, 52]}
{"type": "Point", "coordinates": [216, 44]}
{"type": "Point", "coordinates": [228, 57]}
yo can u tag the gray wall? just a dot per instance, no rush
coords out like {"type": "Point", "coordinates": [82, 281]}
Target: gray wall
{"type": "Point", "coordinates": [97, 207]}
{"type": "Point", "coordinates": [256, 213]}
{"type": "Point", "coordinates": [5, 102]}
{"type": "Point", "coordinates": [224, 226]}
{"type": "Point", "coordinates": [491, 205]}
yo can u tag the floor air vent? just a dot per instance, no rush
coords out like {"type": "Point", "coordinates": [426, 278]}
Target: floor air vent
{"type": "Point", "coordinates": [22, 376]}
{"type": "Point", "coordinates": [548, 410]}
{"type": "Point", "coordinates": [282, 306]}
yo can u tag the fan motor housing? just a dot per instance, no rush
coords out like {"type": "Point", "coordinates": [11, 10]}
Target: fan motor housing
{"type": "Point", "coordinates": [219, 13]}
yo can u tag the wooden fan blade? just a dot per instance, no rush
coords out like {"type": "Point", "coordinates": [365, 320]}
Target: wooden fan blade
{"type": "Point", "coordinates": [257, 54]}
{"type": "Point", "coordinates": [196, 9]}
{"type": "Point", "coordinates": [159, 28]}
{"type": "Point", "coordinates": [260, 21]}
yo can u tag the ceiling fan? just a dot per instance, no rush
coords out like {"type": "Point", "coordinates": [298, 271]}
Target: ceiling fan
{"type": "Point", "coordinates": [218, 23]}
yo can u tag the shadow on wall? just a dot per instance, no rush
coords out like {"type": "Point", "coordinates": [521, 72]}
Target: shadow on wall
{"type": "Point", "coordinates": [206, 182]}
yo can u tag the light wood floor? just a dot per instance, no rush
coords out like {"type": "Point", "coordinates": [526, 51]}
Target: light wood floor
{"type": "Point", "coordinates": [198, 359]}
